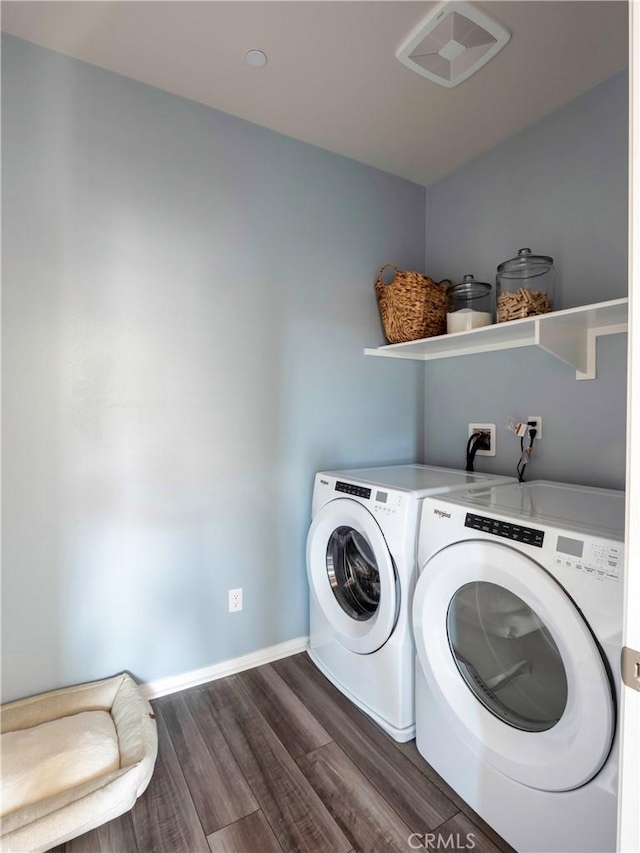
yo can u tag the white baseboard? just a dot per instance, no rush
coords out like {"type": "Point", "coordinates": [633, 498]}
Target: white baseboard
{"type": "Point", "coordinates": [173, 683]}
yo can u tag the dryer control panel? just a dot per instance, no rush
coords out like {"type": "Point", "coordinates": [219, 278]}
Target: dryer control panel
{"type": "Point", "coordinates": [505, 529]}
{"type": "Point", "coordinates": [599, 559]}
{"type": "Point", "coordinates": [602, 560]}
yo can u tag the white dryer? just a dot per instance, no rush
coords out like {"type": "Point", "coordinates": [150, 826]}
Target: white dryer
{"type": "Point", "coordinates": [361, 564]}
{"type": "Point", "coordinates": [517, 617]}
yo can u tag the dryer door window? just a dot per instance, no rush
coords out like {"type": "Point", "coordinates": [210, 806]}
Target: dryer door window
{"type": "Point", "coordinates": [352, 576]}
{"type": "Point", "coordinates": [513, 665]}
{"type": "Point", "coordinates": [353, 573]}
{"type": "Point", "coordinates": [507, 656]}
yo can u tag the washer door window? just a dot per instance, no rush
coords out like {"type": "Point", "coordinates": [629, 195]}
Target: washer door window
{"type": "Point", "coordinates": [513, 665]}
{"type": "Point", "coordinates": [352, 575]}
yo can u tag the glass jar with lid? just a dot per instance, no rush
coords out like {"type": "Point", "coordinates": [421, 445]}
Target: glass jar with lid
{"type": "Point", "coordinates": [525, 286]}
{"type": "Point", "coordinates": [469, 305]}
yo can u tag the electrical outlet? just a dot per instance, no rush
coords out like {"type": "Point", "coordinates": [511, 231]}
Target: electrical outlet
{"type": "Point", "coordinates": [538, 425]}
{"type": "Point", "coordinates": [490, 431]}
{"type": "Point", "coordinates": [235, 600]}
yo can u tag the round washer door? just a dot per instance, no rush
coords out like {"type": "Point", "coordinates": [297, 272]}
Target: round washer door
{"type": "Point", "coordinates": [513, 665]}
{"type": "Point", "coordinates": [352, 575]}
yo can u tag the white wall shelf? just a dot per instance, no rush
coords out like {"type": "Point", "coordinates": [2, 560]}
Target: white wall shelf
{"type": "Point", "coordinates": [569, 335]}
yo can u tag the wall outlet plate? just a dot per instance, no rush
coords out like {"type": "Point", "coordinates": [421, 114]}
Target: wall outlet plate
{"type": "Point", "coordinates": [491, 430]}
{"type": "Point", "coordinates": [235, 600]}
{"type": "Point", "coordinates": [538, 420]}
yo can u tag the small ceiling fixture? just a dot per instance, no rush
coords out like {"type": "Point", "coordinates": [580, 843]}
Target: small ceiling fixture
{"type": "Point", "coordinates": [452, 43]}
{"type": "Point", "coordinates": [256, 59]}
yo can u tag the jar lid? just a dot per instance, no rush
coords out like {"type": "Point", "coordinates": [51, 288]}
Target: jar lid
{"type": "Point", "coordinates": [526, 265]}
{"type": "Point", "coordinates": [469, 283]}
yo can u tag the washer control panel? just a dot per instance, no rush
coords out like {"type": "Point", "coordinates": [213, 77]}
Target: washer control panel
{"type": "Point", "coordinates": [352, 489]}
{"type": "Point", "coordinates": [382, 501]}
{"type": "Point", "coordinates": [601, 560]}
{"type": "Point", "coordinates": [386, 503]}
{"type": "Point", "coordinates": [505, 529]}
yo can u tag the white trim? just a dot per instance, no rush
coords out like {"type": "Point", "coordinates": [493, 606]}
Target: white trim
{"type": "Point", "coordinates": [629, 792]}
{"type": "Point", "coordinates": [174, 683]}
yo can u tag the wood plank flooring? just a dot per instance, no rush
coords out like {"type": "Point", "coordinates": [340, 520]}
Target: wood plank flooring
{"type": "Point", "coordinates": [276, 760]}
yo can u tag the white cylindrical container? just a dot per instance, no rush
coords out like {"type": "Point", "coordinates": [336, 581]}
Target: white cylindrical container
{"type": "Point", "coordinates": [466, 319]}
{"type": "Point", "coordinates": [469, 305]}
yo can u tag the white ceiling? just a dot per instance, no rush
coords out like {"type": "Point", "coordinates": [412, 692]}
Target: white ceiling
{"type": "Point", "coordinates": [332, 78]}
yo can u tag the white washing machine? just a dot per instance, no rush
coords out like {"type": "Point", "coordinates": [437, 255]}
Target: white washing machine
{"type": "Point", "coordinates": [361, 564]}
{"type": "Point", "coordinates": [517, 618]}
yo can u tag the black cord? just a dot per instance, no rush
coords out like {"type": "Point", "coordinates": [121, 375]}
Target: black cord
{"type": "Point", "coordinates": [525, 455]}
{"type": "Point", "coordinates": [476, 442]}
{"type": "Point", "coordinates": [471, 438]}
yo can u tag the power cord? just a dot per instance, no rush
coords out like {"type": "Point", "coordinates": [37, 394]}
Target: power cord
{"type": "Point", "coordinates": [525, 454]}
{"type": "Point", "coordinates": [477, 441]}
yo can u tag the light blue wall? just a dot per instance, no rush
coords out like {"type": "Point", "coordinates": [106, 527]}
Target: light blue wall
{"type": "Point", "coordinates": [186, 301]}
{"type": "Point", "coordinates": [559, 187]}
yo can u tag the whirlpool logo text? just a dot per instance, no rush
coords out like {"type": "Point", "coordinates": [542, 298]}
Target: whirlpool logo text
{"type": "Point", "coordinates": [441, 513]}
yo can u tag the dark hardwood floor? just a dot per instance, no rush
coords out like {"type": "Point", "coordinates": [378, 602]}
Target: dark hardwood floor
{"type": "Point", "coordinates": [276, 759]}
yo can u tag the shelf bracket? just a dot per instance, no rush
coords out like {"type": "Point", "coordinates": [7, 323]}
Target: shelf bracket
{"type": "Point", "coordinates": [575, 345]}
{"type": "Point", "coordinates": [570, 344]}
{"type": "Point", "coordinates": [592, 340]}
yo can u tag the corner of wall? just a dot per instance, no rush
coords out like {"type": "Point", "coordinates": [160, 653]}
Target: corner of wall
{"type": "Point", "coordinates": [426, 225]}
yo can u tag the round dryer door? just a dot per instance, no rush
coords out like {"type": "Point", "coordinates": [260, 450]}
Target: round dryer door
{"type": "Point", "coordinates": [352, 575]}
{"type": "Point", "coordinates": [513, 665]}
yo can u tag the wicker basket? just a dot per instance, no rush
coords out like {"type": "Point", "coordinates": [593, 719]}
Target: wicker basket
{"type": "Point", "coordinates": [412, 306]}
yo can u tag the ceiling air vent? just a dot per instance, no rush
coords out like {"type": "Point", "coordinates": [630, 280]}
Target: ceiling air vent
{"type": "Point", "coordinates": [452, 43]}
